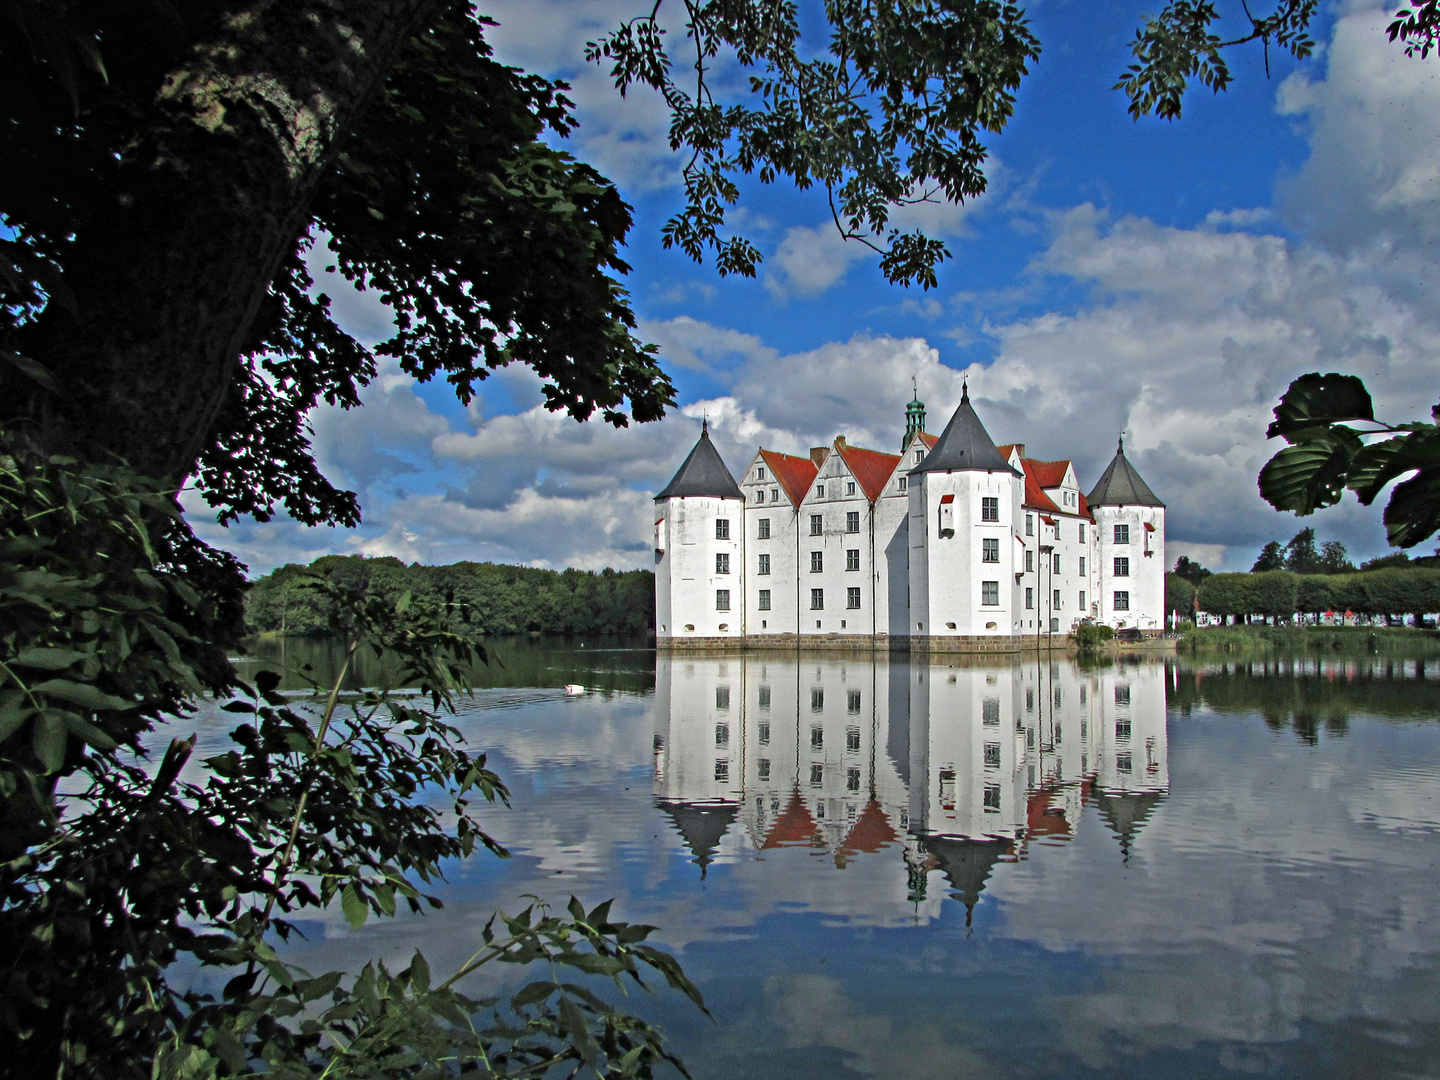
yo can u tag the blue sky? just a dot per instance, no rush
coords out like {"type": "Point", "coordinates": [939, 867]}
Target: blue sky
{"type": "Point", "coordinates": [1169, 279]}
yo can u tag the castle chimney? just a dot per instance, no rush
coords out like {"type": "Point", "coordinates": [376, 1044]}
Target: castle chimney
{"type": "Point", "coordinates": [818, 454]}
{"type": "Point", "coordinates": [839, 442]}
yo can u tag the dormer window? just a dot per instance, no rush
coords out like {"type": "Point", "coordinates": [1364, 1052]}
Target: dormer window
{"type": "Point", "coordinates": [918, 455]}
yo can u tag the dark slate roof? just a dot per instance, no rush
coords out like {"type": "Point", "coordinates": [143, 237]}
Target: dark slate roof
{"type": "Point", "coordinates": [1120, 485]}
{"type": "Point", "coordinates": [703, 474]}
{"type": "Point", "coordinates": [702, 825]}
{"type": "Point", "coordinates": [1125, 813]}
{"type": "Point", "coordinates": [964, 445]}
{"type": "Point", "coordinates": [967, 865]}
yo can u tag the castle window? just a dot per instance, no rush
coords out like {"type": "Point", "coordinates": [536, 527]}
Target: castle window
{"type": "Point", "coordinates": [1057, 530]}
{"type": "Point", "coordinates": [817, 562]}
{"type": "Point", "coordinates": [722, 736]}
{"type": "Point", "coordinates": [992, 755]}
{"type": "Point", "coordinates": [990, 712]}
{"type": "Point", "coordinates": [722, 562]}
{"type": "Point", "coordinates": [1082, 536]}
{"type": "Point", "coordinates": [817, 524]}
{"type": "Point", "coordinates": [760, 473]}
{"type": "Point", "coordinates": [989, 509]}
{"type": "Point", "coordinates": [1056, 566]}
{"type": "Point", "coordinates": [817, 777]}
{"type": "Point", "coordinates": [1122, 762]}
{"type": "Point", "coordinates": [990, 593]}
{"type": "Point", "coordinates": [774, 495]}
{"type": "Point", "coordinates": [1029, 561]}
{"type": "Point", "coordinates": [722, 697]}
{"type": "Point", "coordinates": [1029, 524]}
{"type": "Point", "coordinates": [722, 528]}
{"type": "Point", "coordinates": [722, 599]}
{"type": "Point", "coordinates": [817, 704]}
{"type": "Point", "coordinates": [990, 550]}
{"type": "Point", "coordinates": [849, 487]}
{"type": "Point", "coordinates": [852, 704]}
{"type": "Point", "coordinates": [1122, 534]}
{"type": "Point", "coordinates": [852, 558]}
{"type": "Point", "coordinates": [1056, 598]}
{"type": "Point", "coordinates": [1082, 565]}
{"type": "Point", "coordinates": [759, 496]}
{"type": "Point", "coordinates": [1122, 694]}
{"type": "Point", "coordinates": [852, 780]}
{"type": "Point", "coordinates": [722, 769]}
{"type": "Point", "coordinates": [764, 769]}
{"type": "Point", "coordinates": [1029, 597]}
{"type": "Point", "coordinates": [991, 798]}
{"type": "Point", "coordinates": [764, 602]}
{"type": "Point", "coordinates": [819, 491]}
{"type": "Point", "coordinates": [852, 598]}
{"type": "Point", "coordinates": [918, 455]}
{"type": "Point", "coordinates": [762, 529]}
{"type": "Point", "coordinates": [1082, 599]}
{"type": "Point", "coordinates": [1122, 567]}
{"type": "Point", "coordinates": [1122, 601]}
{"type": "Point", "coordinates": [902, 483]}
{"type": "Point", "coordinates": [764, 567]}
{"type": "Point", "coordinates": [817, 599]}
{"type": "Point", "coordinates": [852, 521]}
{"type": "Point", "coordinates": [763, 700]}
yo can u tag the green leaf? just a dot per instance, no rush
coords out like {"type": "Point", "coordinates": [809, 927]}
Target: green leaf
{"type": "Point", "coordinates": [1316, 399]}
{"type": "Point", "coordinates": [81, 727]}
{"type": "Point", "coordinates": [50, 740]}
{"type": "Point", "coordinates": [420, 972]}
{"type": "Point", "coordinates": [1413, 513]}
{"type": "Point", "coordinates": [49, 659]}
{"type": "Point", "coordinates": [354, 906]}
{"type": "Point", "coordinates": [572, 1019]}
{"type": "Point", "coordinates": [532, 994]}
{"type": "Point", "coordinates": [82, 694]}
{"type": "Point", "coordinates": [1379, 463]}
{"type": "Point", "coordinates": [1311, 474]}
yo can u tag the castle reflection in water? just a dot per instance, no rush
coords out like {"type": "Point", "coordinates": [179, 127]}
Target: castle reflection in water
{"type": "Point", "coordinates": [950, 768]}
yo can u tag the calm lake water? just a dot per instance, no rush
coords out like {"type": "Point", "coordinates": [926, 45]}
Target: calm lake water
{"type": "Point", "coordinates": [927, 870]}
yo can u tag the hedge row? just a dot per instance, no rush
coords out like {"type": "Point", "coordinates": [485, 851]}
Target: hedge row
{"type": "Point", "coordinates": [1282, 594]}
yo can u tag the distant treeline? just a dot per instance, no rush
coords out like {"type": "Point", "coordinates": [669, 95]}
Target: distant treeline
{"type": "Point", "coordinates": [1281, 594]}
{"type": "Point", "coordinates": [503, 599]}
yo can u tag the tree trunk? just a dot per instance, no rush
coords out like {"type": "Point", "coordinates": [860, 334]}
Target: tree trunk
{"type": "Point", "coordinates": [212, 196]}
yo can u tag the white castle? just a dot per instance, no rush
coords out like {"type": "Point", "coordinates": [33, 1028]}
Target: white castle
{"type": "Point", "coordinates": [954, 544]}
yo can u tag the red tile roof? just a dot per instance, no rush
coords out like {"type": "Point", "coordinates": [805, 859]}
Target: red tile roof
{"type": "Point", "coordinates": [1048, 474]}
{"type": "Point", "coordinates": [1006, 449]}
{"type": "Point", "coordinates": [793, 473]}
{"type": "Point", "coordinates": [1085, 507]}
{"type": "Point", "coordinates": [1036, 499]}
{"type": "Point", "coordinates": [872, 468]}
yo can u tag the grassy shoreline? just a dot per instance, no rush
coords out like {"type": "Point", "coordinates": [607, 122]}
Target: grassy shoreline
{"type": "Point", "coordinates": [1356, 639]}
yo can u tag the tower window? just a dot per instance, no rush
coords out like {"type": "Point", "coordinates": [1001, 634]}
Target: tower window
{"type": "Point", "coordinates": [1082, 535]}
{"type": "Point", "coordinates": [852, 558]}
{"type": "Point", "coordinates": [817, 562]}
{"type": "Point", "coordinates": [722, 599]}
{"type": "Point", "coordinates": [990, 593]}
{"type": "Point", "coordinates": [722, 528]}
{"type": "Point", "coordinates": [1122, 601]}
{"type": "Point", "coordinates": [1122, 534]}
{"type": "Point", "coordinates": [1029, 561]}
{"type": "Point", "coordinates": [1082, 565]}
{"type": "Point", "coordinates": [817, 524]}
{"type": "Point", "coordinates": [1029, 599]}
{"type": "Point", "coordinates": [1122, 567]}
{"type": "Point", "coordinates": [1082, 599]}
{"type": "Point", "coordinates": [1056, 598]}
{"type": "Point", "coordinates": [989, 509]}
{"type": "Point", "coordinates": [1029, 524]}
{"type": "Point", "coordinates": [764, 567]}
{"type": "Point", "coordinates": [722, 562]}
{"type": "Point", "coordinates": [1055, 567]}
{"type": "Point", "coordinates": [990, 712]}
{"type": "Point", "coordinates": [990, 550]}
{"type": "Point", "coordinates": [817, 599]}
{"type": "Point", "coordinates": [852, 598]}
{"type": "Point", "coordinates": [764, 600]}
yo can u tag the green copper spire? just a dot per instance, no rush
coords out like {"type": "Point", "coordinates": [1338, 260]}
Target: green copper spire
{"type": "Point", "coordinates": [914, 416]}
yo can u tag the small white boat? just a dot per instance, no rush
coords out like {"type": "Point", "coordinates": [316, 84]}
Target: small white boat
{"type": "Point", "coordinates": [572, 689]}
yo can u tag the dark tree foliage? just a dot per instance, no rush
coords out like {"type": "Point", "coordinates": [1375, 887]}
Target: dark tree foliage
{"type": "Point", "coordinates": [1190, 570]}
{"type": "Point", "coordinates": [1179, 595]}
{"type": "Point", "coordinates": [1301, 555]}
{"type": "Point", "coordinates": [1272, 557]}
{"type": "Point", "coordinates": [505, 599]}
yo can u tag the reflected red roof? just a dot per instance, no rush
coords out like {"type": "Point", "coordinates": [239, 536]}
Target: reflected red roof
{"type": "Point", "coordinates": [872, 830]}
{"type": "Point", "coordinates": [1041, 819]}
{"type": "Point", "coordinates": [872, 468]}
{"type": "Point", "coordinates": [793, 826]}
{"type": "Point", "coordinates": [793, 473]}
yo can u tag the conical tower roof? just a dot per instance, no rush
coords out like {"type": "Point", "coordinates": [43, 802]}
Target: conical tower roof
{"type": "Point", "coordinates": [1126, 812]}
{"type": "Point", "coordinates": [964, 445]}
{"type": "Point", "coordinates": [703, 474]}
{"type": "Point", "coordinates": [1121, 485]}
{"type": "Point", "coordinates": [966, 864]}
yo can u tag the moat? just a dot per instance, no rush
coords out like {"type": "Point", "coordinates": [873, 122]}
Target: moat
{"type": "Point", "coordinates": [1000, 867]}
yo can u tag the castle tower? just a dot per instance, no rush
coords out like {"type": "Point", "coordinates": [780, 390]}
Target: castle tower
{"type": "Point", "coordinates": [700, 551]}
{"type": "Point", "coordinates": [914, 419]}
{"type": "Point", "coordinates": [965, 506]}
{"type": "Point", "coordinates": [1130, 525]}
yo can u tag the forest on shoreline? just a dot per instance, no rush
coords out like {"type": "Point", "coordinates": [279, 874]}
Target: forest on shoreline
{"type": "Point", "coordinates": [502, 599]}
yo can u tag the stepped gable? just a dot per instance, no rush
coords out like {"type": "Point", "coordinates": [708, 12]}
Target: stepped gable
{"type": "Point", "coordinates": [701, 825]}
{"type": "Point", "coordinates": [964, 445]}
{"type": "Point", "coordinates": [703, 474]}
{"type": "Point", "coordinates": [1121, 485]}
{"type": "Point", "coordinates": [871, 468]}
{"type": "Point", "coordinates": [794, 474]}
